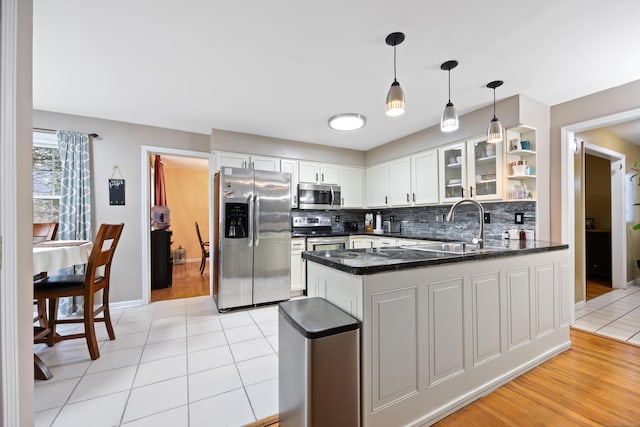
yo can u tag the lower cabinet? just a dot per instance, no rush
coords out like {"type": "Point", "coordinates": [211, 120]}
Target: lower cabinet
{"type": "Point", "coordinates": [298, 267]}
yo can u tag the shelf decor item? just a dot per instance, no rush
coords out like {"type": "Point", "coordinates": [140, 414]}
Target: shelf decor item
{"type": "Point", "coordinates": [494, 132]}
{"type": "Point", "coordinates": [449, 121]}
{"type": "Point", "coordinates": [395, 96]}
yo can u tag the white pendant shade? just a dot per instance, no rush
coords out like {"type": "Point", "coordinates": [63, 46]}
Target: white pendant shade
{"type": "Point", "coordinates": [494, 132]}
{"type": "Point", "coordinates": [395, 100]}
{"type": "Point", "coordinates": [449, 121]}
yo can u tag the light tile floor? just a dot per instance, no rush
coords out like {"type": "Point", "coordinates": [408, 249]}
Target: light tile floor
{"type": "Point", "coordinates": [173, 363]}
{"type": "Point", "coordinates": [615, 314]}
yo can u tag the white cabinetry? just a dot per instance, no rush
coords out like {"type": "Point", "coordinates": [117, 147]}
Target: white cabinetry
{"type": "Point", "coordinates": [291, 167]}
{"type": "Point", "coordinates": [246, 161]}
{"type": "Point", "coordinates": [351, 186]}
{"type": "Point", "coordinates": [424, 177]}
{"type": "Point", "coordinates": [377, 184]}
{"type": "Point", "coordinates": [319, 173]}
{"type": "Point", "coordinates": [521, 148]}
{"type": "Point", "coordinates": [399, 186]}
{"type": "Point", "coordinates": [360, 242]}
{"type": "Point", "coordinates": [471, 168]}
{"type": "Point", "coordinates": [298, 266]}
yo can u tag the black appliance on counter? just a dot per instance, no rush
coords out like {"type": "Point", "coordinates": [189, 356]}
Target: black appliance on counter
{"type": "Point", "coordinates": [350, 226]}
{"type": "Point", "coordinates": [161, 259]}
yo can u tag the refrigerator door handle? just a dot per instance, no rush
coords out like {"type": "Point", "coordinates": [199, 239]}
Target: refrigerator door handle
{"type": "Point", "coordinates": [256, 213]}
{"type": "Point", "coordinates": [250, 239]}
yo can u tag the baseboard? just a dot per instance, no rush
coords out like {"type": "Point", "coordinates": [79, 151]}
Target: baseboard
{"type": "Point", "coordinates": [125, 304]}
{"type": "Point", "coordinates": [579, 305]}
{"type": "Point", "coordinates": [634, 282]}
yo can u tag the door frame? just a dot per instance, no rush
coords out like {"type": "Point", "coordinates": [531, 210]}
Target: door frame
{"type": "Point", "coordinates": [618, 225]}
{"type": "Point", "coordinates": [145, 206]}
{"type": "Point", "coordinates": [568, 151]}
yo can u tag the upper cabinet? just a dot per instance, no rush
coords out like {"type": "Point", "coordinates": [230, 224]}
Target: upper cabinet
{"type": "Point", "coordinates": [319, 173]}
{"type": "Point", "coordinates": [246, 161]}
{"type": "Point", "coordinates": [351, 186]}
{"type": "Point", "coordinates": [406, 181]}
{"type": "Point", "coordinates": [521, 165]}
{"type": "Point", "coordinates": [424, 177]}
{"type": "Point", "coordinates": [291, 167]}
{"type": "Point", "coordinates": [471, 168]}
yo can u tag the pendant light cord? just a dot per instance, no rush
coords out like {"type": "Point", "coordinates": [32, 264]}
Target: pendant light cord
{"type": "Point", "coordinates": [394, 63]}
{"type": "Point", "coordinates": [449, 72]}
{"type": "Point", "coordinates": [494, 102]}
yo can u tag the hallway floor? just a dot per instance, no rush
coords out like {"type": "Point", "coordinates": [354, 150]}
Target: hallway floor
{"type": "Point", "coordinates": [173, 363]}
{"type": "Point", "coordinates": [615, 314]}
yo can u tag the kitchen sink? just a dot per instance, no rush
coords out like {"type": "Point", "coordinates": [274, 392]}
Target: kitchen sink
{"type": "Point", "coordinates": [452, 247]}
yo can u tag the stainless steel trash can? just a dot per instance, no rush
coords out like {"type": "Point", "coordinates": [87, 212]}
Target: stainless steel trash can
{"type": "Point", "coordinates": [319, 363]}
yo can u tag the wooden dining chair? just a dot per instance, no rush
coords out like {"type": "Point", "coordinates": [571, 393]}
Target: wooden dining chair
{"type": "Point", "coordinates": [96, 278]}
{"type": "Point", "coordinates": [42, 231]}
{"type": "Point", "coordinates": [204, 247]}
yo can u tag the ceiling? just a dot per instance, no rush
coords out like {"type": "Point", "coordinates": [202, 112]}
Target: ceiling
{"type": "Point", "coordinates": [282, 68]}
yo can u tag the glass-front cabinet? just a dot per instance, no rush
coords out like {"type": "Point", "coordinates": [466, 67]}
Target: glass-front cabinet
{"type": "Point", "coordinates": [471, 168]}
{"type": "Point", "coordinates": [453, 172]}
{"type": "Point", "coordinates": [521, 163]}
{"type": "Point", "coordinates": [485, 169]}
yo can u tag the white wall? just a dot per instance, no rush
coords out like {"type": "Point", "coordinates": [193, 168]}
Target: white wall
{"type": "Point", "coordinates": [119, 144]}
{"type": "Point", "coordinates": [222, 140]}
{"type": "Point", "coordinates": [600, 104]}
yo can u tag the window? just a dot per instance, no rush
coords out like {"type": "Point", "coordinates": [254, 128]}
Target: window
{"type": "Point", "coordinates": [47, 177]}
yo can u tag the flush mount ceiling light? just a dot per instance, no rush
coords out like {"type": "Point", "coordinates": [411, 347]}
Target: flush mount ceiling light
{"type": "Point", "coordinates": [395, 96]}
{"type": "Point", "coordinates": [449, 121]}
{"type": "Point", "coordinates": [494, 132]}
{"type": "Point", "coordinates": [347, 121]}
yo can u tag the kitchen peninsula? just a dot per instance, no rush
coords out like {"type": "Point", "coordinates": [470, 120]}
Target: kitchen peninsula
{"type": "Point", "coordinates": [442, 326]}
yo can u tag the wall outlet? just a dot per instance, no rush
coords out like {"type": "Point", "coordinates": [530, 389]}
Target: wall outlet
{"type": "Point", "coordinates": [487, 218]}
{"type": "Point", "coordinates": [519, 218]}
{"type": "Point", "coordinates": [336, 218]}
{"type": "Point", "coordinates": [439, 217]}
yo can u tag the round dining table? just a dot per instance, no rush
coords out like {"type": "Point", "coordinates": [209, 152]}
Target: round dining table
{"type": "Point", "coordinates": [49, 256]}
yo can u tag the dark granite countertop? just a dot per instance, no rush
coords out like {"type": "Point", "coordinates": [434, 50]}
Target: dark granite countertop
{"type": "Point", "coordinates": [363, 234]}
{"type": "Point", "coordinates": [378, 260]}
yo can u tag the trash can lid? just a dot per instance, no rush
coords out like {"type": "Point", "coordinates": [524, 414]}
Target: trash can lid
{"type": "Point", "coordinates": [317, 317]}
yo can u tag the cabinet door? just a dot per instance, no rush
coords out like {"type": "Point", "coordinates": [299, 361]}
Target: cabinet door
{"type": "Point", "coordinates": [377, 185]}
{"type": "Point", "coordinates": [298, 272]}
{"type": "Point", "coordinates": [424, 177]}
{"type": "Point", "coordinates": [351, 186]}
{"type": "Point", "coordinates": [361, 243]}
{"type": "Point", "coordinates": [329, 174]}
{"type": "Point", "coordinates": [263, 163]}
{"type": "Point", "coordinates": [453, 177]}
{"type": "Point", "coordinates": [234, 160]}
{"type": "Point", "coordinates": [309, 172]}
{"type": "Point", "coordinates": [484, 169]}
{"type": "Point", "coordinates": [400, 182]}
{"type": "Point", "coordinates": [291, 167]}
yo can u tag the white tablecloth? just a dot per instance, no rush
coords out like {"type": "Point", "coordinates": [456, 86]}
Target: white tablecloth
{"type": "Point", "coordinates": [58, 254]}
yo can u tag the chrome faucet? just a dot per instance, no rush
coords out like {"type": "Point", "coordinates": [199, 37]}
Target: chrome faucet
{"type": "Point", "coordinates": [480, 239]}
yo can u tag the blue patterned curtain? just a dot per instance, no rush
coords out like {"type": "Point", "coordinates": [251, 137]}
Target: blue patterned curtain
{"type": "Point", "coordinates": [75, 198]}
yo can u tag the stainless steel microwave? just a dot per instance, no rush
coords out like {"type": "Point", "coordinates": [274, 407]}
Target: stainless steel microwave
{"type": "Point", "coordinates": [319, 196]}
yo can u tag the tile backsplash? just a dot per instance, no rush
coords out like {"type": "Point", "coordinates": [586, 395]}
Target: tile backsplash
{"type": "Point", "coordinates": [428, 221]}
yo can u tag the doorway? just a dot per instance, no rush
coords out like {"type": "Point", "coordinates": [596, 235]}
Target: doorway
{"type": "Point", "coordinates": [601, 216]}
{"type": "Point", "coordinates": [186, 175]}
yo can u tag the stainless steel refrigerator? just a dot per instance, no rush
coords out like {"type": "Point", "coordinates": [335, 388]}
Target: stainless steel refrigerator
{"type": "Point", "coordinates": [253, 237]}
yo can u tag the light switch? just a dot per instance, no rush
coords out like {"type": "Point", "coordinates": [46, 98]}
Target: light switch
{"type": "Point", "coordinates": [519, 218]}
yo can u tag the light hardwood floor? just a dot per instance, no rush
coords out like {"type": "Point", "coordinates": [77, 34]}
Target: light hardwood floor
{"type": "Point", "coordinates": [187, 282]}
{"type": "Point", "coordinates": [595, 383]}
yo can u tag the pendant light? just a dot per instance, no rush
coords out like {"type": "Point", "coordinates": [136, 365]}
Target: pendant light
{"type": "Point", "coordinates": [449, 121]}
{"type": "Point", "coordinates": [494, 132]}
{"type": "Point", "coordinates": [395, 96]}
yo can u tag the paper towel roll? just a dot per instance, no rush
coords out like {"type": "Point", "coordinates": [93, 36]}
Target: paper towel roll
{"type": "Point", "coordinates": [378, 221]}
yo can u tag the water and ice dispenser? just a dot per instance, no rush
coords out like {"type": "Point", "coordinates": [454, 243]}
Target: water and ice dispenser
{"type": "Point", "coordinates": [236, 217]}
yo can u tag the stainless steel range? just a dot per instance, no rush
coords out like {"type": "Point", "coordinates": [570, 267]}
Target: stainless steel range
{"type": "Point", "coordinates": [317, 230]}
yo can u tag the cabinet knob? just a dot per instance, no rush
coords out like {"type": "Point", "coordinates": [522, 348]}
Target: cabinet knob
{"type": "Point", "coordinates": [408, 198]}
{"type": "Point", "coordinates": [414, 197]}
{"type": "Point", "coordinates": [316, 176]}
{"type": "Point", "coordinates": [322, 177]}
{"type": "Point", "coordinates": [386, 201]}
{"type": "Point", "coordinates": [470, 191]}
